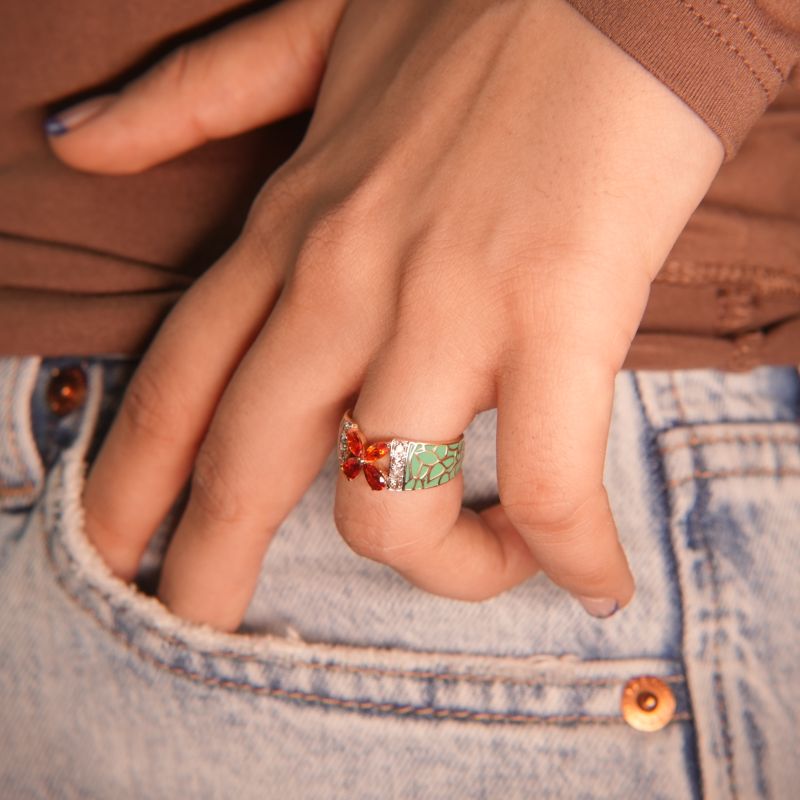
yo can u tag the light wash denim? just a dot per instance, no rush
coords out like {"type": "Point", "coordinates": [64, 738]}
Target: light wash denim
{"type": "Point", "coordinates": [346, 682]}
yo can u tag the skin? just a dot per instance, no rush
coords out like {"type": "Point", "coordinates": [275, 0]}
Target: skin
{"type": "Point", "coordinates": [473, 220]}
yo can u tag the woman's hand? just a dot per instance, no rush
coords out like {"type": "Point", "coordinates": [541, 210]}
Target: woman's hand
{"type": "Point", "coordinates": [473, 220]}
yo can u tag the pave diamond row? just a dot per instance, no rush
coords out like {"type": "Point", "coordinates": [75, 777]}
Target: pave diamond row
{"type": "Point", "coordinates": [343, 440]}
{"type": "Point", "coordinates": [398, 454]}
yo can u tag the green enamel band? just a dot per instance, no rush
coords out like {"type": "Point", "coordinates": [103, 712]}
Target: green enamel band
{"type": "Point", "coordinates": [429, 465]}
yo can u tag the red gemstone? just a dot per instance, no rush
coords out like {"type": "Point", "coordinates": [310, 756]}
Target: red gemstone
{"type": "Point", "coordinates": [376, 451]}
{"type": "Point", "coordinates": [351, 467]}
{"type": "Point", "coordinates": [374, 477]}
{"type": "Point", "coordinates": [354, 442]}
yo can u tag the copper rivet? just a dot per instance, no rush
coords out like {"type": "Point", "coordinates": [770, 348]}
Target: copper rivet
{"type": "Point", "coordinates": [66, 390]}
{"type": "Point", "coordinates": [648, 704]}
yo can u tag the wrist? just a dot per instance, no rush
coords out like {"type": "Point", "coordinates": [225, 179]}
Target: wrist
{"type": "Point", "coordinates": [640, 160]}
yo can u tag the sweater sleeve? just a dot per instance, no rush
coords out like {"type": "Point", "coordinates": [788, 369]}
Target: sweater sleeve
{"type": "Point", "coordinates": [726, 59]}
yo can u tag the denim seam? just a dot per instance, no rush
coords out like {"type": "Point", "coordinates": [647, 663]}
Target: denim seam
{"type": "Point", "coordinates": [316, 699]}
{"type": "Point", "coordinates": [310, 698]}
{"type": "Point", "coordinates": [719, 696]}
{"type": "Point", "coordinates": [649, 415]}
{"type": "Point", "coordinates": [13, 438]}
{"type": "Point", "coordinates": [696, 441]}
{"type": "Point", "coordinates": [245, 658]}
{"type": "Point", "coordinates": [679, 406]}
{"type": "Point", "coordinates": [53, 538]}
{"type": "Point", "coordinates": [681, 418]}
{"type": "Point", "coordinates": [698, 532]}
{"type": "Point", "coordinates": [766, 472]}
{"type": "Point", "coordinates": [8, 491]}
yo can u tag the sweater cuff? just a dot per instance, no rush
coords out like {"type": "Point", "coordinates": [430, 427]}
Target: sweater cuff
{"type": "Point", "coordinates": [726, 59]}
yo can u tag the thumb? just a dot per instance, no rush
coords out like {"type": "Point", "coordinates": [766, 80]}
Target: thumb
{"type": "Point", "coordinates": [259, 69]}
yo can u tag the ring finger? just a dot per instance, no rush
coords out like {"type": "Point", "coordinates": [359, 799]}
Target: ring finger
{"type": "Point", "coordinates": [427, 536]}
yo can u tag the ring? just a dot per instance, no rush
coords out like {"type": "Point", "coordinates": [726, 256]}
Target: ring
{"type": "Point", "coordinates": [406, 465]}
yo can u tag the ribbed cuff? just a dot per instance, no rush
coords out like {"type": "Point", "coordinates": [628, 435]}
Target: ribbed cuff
{"type": "Point", "coordinates": [726, 59]}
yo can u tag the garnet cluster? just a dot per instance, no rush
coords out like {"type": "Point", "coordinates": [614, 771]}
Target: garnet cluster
{"type": "Point", "coordinates": [361, 455]}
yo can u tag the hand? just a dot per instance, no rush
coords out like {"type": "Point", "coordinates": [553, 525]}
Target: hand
{"type": "Point", "coordinates": [473, 220]}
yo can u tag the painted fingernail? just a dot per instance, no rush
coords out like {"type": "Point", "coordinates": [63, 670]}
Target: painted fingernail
{"type": "Point", "coordinates": [53, 126]}
{"type": "Point", "coordinates": [70, 118]}
{"type": "Point", "coordinates": [601, 607]}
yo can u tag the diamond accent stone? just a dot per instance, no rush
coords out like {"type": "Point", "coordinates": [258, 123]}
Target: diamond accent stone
{"type": "Point", "coordinates": [398, 450]}
{"type": "Point", "coordinates": [343, 449]}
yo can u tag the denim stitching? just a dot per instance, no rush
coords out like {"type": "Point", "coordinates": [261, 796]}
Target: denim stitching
{"type": "Point", "coordinates": [697, 462]}
{"type": "Point", "coordinates": [11, 491]}
{"type": "Point", "coordinates": [311, 698]}
{"type": "Point", "coordinates": [719, 689]}
{"type": "Point", "coordinates": [717, 686]}
{"type": "Point", "coordinates": [755, 472]}
{"type": "Point", "coordinates": [52, 540]}
{"type": "Point", "coordinates": [679, 407]}
{"type": "Point", "coordinates": [289, 663]}
{"type": "Point", "coordinates": [13, 435]}
{"type": "Point", "coordinates": [696, 441]}
{"type": "Point", "coordinates": [729, 45]}
{"type": "Point", "coordinates": [668, 506]}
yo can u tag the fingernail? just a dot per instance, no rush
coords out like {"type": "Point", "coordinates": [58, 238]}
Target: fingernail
{"type": "Point", "coordinates": [601, 607]}
{"type": "Point", "coordinates": [74, 116]}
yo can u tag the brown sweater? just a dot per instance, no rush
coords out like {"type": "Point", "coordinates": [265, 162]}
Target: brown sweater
{"type": "Point", "coordinates": [90, 264]}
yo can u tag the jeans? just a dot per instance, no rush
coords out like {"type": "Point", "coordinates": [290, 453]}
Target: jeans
{"type": "Point", "coordinates": [344, 681]}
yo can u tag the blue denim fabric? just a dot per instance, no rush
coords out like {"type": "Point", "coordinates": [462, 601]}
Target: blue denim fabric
{"type": "Point", "coordinates": [346, 682]}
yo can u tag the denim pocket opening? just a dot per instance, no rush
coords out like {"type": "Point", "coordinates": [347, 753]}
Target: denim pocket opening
{"type": "Point", "coordinates": [540, 689]}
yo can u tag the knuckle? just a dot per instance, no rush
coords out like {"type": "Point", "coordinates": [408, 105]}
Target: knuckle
{"type": "Point", "coordinates": [362, 537]}
{"type": "Point", "coordinates": [285, 192]}
{"type": "Point", "coordinates": [324, 266]}
{"type": "Point", "coordinates": [335, 224]}
{"type": "Point", "coordinates": [297, 178]}
{"type": "Point", "coordinates": [211, 493]}
{"type": "Point", "coordinates": [562, 521]}
{"type": "Point", "coordinates": [316, 269]}
{"type": "Point", "coordinates": [548, 506]}
{"type": "Point", "coordinates": [179, 71]}
{"type": "Point", "coordinates": [270, 232]}
{"type": "Point", "coordinates": [181, 75]}
{"type": "Point", "coordinates": [373, 540]}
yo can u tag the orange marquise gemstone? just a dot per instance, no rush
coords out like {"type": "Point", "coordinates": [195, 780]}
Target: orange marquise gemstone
{"type": "Point", "coordinates": [376, 451]}
{"type": "Point", "coordinates": [354, 442]}
{"type": "Point", "coordinates": [374, 477]}
{"type": "Point", "coordinates": [351, 467]}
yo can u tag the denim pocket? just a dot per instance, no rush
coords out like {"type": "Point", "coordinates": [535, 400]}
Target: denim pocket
{"type": "Point", "coordinates": [734, 496]}
{"type": "Point", "coordinates": [182, 710]}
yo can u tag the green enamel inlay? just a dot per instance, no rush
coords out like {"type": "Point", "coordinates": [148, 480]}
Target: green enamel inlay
{"type": "Point", "coordinates": [431, 465]}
